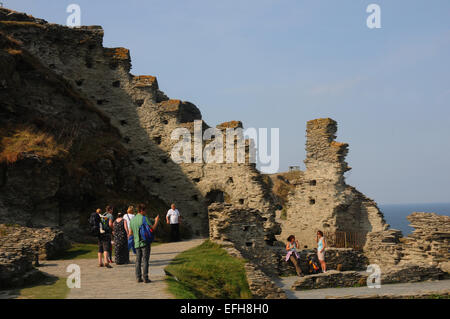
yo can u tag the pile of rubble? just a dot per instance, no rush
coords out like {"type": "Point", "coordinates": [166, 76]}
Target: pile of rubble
{"type": "Point", "coordinates": [21, 246]}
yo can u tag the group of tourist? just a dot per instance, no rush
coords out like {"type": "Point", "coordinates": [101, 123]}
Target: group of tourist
{"type": "Point", "coordinates": [292, 255]}
{"type": "Point", "coordinates": [124, 231]}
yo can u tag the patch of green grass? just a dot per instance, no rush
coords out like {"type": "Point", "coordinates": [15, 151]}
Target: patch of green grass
{"type": "Point", "coordinates": [80, 251]}
{"type": "Point", "coordinates": [207, 272]}
{"type": "Point", "coordinates": [55, 289]}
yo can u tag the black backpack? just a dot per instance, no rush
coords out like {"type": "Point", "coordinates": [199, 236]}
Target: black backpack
{"type": "Point", "coordinates": [94, 224]}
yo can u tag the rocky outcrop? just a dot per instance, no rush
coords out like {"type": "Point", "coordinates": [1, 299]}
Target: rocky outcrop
{"type": "Point", "coordinates": [321, 199]}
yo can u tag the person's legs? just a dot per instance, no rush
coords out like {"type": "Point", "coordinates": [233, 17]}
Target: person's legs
{"type": "Point", "coordinates": [177, 232]}
{"type": "Point", "coordinates": [323, 265]}
{"type": "Point", "coordinates": [138, 264]}
{"type": "Point", "coordinates": [107, 249]}
{"type": "Point", "coordinates": [295, 262]}
{"type": "Point", "coordinates": [100, 253]}
{"type": "Point", "coordinates": [146, 257]}
{"type": "Point", "coordinates": [172, 232]}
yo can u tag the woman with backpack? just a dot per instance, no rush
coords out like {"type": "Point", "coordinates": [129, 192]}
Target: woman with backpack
{"type": "Point", "coordinates": [292, 255]}
{"type": "Point", "coordinates": [321, 245]}
{"type": "Point", "coordinates": [120, 240]}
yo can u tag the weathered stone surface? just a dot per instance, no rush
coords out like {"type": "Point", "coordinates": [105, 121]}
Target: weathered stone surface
{"type": "Point", "coordinates": [396, 274]}
{"type": "Point", "coordinates": [384, 248]}
{"type": "Point", "coordinates": [430, 241]}
{"type": "Point", "coordinates": [20, 248]}
{"type": "Point", "coordinates": [261, 286]}
{"type": "Point", "coordinates": [330, 279]}
{"type": "Point", "coordinates": [427, 245]}
{"type": "Point", "coordinates": [47, 242]}
{"type": "Point", "coordinates": [412, 273]}
{"type": "Point", "coordinates": [321, 199]}
{"type": "Point", "coordinates": [244, 229]}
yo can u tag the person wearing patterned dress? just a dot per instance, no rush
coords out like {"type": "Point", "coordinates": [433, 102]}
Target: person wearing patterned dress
{"type": "Point", "coordinates": [120, 240]}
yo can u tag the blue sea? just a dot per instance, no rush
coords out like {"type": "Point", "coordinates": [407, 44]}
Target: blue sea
{"type": "Point", "coordinates": [395, 214]}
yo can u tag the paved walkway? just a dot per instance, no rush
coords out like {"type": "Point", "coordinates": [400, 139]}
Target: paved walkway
{"type": "Point", "coordinates": [407, 289]}
{"type": "Point", "coordinates": [119, 282]}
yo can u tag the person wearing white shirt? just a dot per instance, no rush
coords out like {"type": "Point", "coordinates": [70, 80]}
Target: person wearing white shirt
{"type": "Point", "coordinates": [128, 217]}
{"type": "Point", "coordinates": [173, 218]}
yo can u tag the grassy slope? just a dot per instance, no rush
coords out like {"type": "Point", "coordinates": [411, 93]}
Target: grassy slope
{"type": "Point", "coordinates": [208, 272]}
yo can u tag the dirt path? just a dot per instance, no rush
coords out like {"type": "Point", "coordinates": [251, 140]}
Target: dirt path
{"type": "Point", "coordinates": [119, 282]}
{"type": "Point", "coordinates": [398, 290]}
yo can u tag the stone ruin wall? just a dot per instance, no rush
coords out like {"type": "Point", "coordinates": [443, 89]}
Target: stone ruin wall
{"type": "Point", "coordinates": [322, 200]}
{"type": "Point", "coordinates": [145, 117]}
{"type": "Point", "coordinates": [428, 244]}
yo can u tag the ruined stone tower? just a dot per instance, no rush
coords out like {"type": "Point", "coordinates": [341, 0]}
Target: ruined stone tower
{"type": "Point", "coordinates": [322, 200]}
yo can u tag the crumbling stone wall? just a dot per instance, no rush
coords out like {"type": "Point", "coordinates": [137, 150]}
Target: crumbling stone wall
{"type": "Point", "coordinates": [322, 200]}
{"type": "Point", "coordinates": [21, 247]}
{"type": "Point", "coordinates": [427, 245]}
{"type": "Point", "coordinates": [244, 229]}
{"type": "Point", "coordinates": [430, 241]}
{"type": "Point", "coordinates": [145, 117]}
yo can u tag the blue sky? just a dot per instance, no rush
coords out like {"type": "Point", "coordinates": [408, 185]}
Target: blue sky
{"type": "Point", "coordinates": [276, 63]}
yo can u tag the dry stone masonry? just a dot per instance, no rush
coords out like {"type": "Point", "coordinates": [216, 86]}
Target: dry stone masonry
{"type": "Point", "coordinates": [321, 199]}
{"type": "Point", "coordinates": [22, 247]}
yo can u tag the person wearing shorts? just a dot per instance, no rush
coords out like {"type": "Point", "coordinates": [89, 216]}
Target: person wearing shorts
{"type": "Point", "coordinates": [104, 244]}
{"type": "Point", "coordinates": [321, 245]}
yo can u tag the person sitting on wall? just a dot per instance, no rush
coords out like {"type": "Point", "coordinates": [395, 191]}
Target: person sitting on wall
{"type": "Point", "coordinates": [292, 255]}
{"type": "Point", "coordinates": [321, 245]}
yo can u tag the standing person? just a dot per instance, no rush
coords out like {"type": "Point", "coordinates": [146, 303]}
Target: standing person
{"type": "Point", "coordinates": [142, 248]}
{"type": "Point", "coordinates": [292, 255]}
{"type": "Point", "coordinates": [120, 240]}
{"type": "Point", "coordinates": [321, 245]}
{"type": "Point", "coordinates": [109, 214]}
{"type": "Point", "coordinates": [128, 217]}
{"type": "Point", "coordinates": [102, 227]}
{"type": "Point", "coordinates": [173, 218]}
